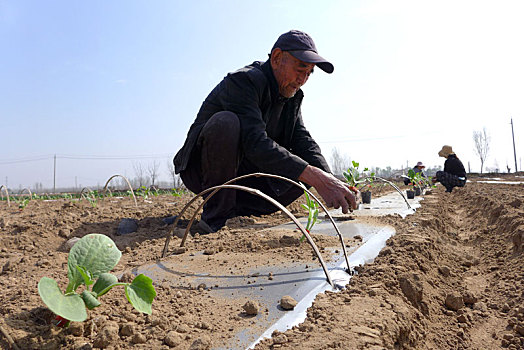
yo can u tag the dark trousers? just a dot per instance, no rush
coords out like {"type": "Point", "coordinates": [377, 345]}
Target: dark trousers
{"type": "Point", "coordinates": [449, 180]}
{"type": "Point", "coordinates": [217, 158]}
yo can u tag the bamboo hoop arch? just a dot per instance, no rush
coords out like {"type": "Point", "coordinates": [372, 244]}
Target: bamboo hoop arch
{"type": "Point", "coordinates": [85, 190]}
{"type": "Point", "coordinates": [260, 194]}
{"type": "Point", "coordinates": [128, 184]}
{"type": "Point", "coordinates": [28, 191]}
{"type": "Point", "coordinates": [6, 193]}
{"type": "Point", "coordinates": [298, 184]}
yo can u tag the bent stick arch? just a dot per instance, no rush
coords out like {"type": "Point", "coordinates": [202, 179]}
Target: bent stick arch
{"type": "Point", "coordinates": [28, 191]}
{"type": "Point", "coordinates": [269, 199]}
{"type": "Point", "coordinates": [128, 184]}
{"type": "Point", "coordinates": [298, 184]}
{"type": "Point", "coordinates": [6, 193]}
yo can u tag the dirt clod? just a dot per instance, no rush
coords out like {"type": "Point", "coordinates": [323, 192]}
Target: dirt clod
{"type": "Point", "coordinates": [454, 301]}
{"type": "Point", "coordinates": [288, 303]}
{"type": "Point", "coordinates": [251, 307]}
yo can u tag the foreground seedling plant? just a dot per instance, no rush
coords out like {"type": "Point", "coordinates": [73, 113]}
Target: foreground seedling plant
{"type": "Point", "coordinates": [312, 207]}
{"type": "Point", "coordinates": [356, 178]}
{"type": "Point", "coordinates": [90, 259]}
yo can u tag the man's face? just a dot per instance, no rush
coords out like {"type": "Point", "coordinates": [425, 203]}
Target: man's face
{"type": "Point", "coordinates": [290, 72]}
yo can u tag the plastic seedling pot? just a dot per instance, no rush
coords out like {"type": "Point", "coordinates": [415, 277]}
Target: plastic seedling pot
{"type": "Point", "coordinates": [366, 197]}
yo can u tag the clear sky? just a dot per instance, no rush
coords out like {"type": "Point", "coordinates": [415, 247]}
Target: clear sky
{"type": "Point", "coordinates": [105, 85]}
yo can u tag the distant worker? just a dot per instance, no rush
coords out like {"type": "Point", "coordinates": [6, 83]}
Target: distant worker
{"type": "Point", "coordinates": [419, 168]}
{"type": "Point", "coordinates": [454, 174]}
{"type": "Point", "coordinates": [251, 122]}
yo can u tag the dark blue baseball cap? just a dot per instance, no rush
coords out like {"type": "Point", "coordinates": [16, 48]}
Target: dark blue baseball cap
{"type": "Point", "coordinates": [301, 46]}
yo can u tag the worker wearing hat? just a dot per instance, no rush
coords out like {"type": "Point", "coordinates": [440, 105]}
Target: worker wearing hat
{"type": "Point", "coordinates": [251, 122]}
{"type": "Point", "coordinates": [418, 168]}
{"type": "Point", "coordinates": [454, 174]}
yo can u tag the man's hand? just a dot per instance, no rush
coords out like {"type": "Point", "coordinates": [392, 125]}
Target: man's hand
{"type": "Point", "coordinates": [335, 193]}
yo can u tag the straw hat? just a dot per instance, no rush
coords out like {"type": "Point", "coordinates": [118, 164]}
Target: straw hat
{"type": "Point", "coordinates": [445, 151]}
{"type": "Point", "coordinates": [420, 165]}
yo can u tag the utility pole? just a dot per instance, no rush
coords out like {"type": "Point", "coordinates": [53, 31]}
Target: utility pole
{"type": "Point", "coordinates": [54, 175]}
{"type": "Point", "coordinates": [514, 151]}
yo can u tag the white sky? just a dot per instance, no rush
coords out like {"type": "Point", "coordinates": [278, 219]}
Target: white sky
{"type": "Point", "coordinates": [126, 78]}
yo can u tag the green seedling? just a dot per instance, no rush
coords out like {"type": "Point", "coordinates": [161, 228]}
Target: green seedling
{"type": "Point", "coordinates": [415, 179]}
{"type": "Point", "coordinates": [88, 264]}
{"type": "Point", "coordinates": [91, 199]}
{"type": "Point", "coordinates": [175, 193]}
{"type": "Point", "coordinates": [312, 207]}
{"type": "Point", "coordinates": [155, 191]}
{"type": "Point", "coordinates": [143, 192]}
{"type": "Point", "coordinates": [429, 182]}
{"type": "Point", "coordinates": [22, 203]}
{"type": "Point", "coordinates": [356, 178]}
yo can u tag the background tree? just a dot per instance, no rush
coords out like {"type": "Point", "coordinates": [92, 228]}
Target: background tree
{"type": "Point", "coordinates": [176, 181]}
{"type": "Point", "coordinates": [339, 162]}
{"type": "Point", "coordinates": [152, 170]}
{"type": "Point", "coordinates": [140, 177]}
{"type": "Point", "coordinates": [481, 140]}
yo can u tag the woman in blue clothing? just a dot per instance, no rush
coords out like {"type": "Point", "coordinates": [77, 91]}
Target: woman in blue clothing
{"type": "Point", "coordinates": [454, 174]}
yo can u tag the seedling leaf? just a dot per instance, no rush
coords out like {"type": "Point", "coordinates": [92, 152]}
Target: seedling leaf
{"type": "Point", "coordinates": [70, 307]}
{"type": "Point", "coordinates": [140, 293]}
{"type": "Point", "coordinates": [90, 299]}
{"type": "Point", "coordinates": [86, 275]}
{"type": "Point", "coordinates": [103, 284]}
{"type": "Point", "coordinates": [94, 252]}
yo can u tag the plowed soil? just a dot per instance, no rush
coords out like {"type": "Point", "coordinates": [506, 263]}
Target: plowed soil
{"type": "Point", "coordinates": [452, 277]}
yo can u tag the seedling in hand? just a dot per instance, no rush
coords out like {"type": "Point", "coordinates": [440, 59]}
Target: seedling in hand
{"type": "Point", "coordinates": [89, 262]}
{"type": "Point", "coordinates": [312, 207]}
{"type": "Point", "coordinates": [357, 179]}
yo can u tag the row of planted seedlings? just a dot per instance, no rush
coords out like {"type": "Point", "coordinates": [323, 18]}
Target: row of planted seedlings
{"type": "Point", "coordinates": [22, 199]}
{"type": "Point", "coordinates": [365, 181]}
{"type": "Point", "coordinates": [417, 183]}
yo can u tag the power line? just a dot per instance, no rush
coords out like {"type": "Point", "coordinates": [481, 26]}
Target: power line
{"type": "Point", "coordinates": [83, 157]}
{"type": "Point", "coordinates": [96, 157]}
{"type": "Point", "coordinates": [25, 159]}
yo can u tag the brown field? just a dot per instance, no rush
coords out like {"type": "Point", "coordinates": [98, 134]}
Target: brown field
{"type": "Point", "coordinates": [451, 278]}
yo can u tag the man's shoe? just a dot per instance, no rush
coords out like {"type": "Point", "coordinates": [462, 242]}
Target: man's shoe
{"type": "Point", "coordinates": [169, 220]}
{"type": "Point", "coordinates": [203, 228]}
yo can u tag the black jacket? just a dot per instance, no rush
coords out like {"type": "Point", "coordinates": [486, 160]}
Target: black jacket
{"type": "Point", "coordinates": [454, 166]}
{"type": "Point", "coordinates": [249, 93]}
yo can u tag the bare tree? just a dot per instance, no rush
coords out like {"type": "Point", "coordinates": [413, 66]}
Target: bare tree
{"type": "Point", "coordinates": [339, 163]}
{"type": "Point", "coordinates": [481, 140]}
{"type": "Point", "coordinates": [152, 170]}
{"type": "Point", "coordinates": [177, 182]}
{"type": "Point", "coordinates": [139, 174]}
